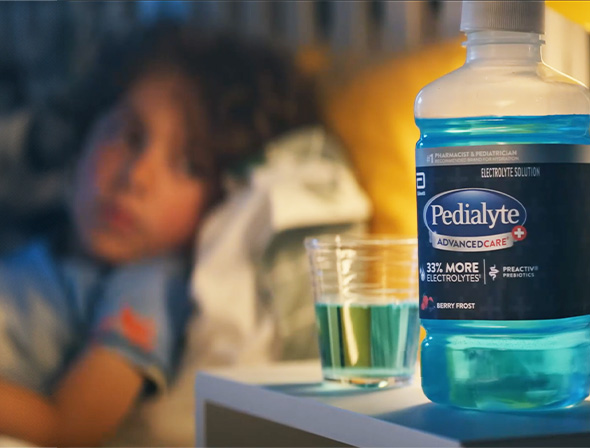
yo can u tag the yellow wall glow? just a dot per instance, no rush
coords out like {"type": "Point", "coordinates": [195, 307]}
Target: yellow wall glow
{"type": "Point", "coordinates": [577, 11]}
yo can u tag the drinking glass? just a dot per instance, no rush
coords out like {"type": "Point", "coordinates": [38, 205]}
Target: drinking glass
{"type": "Point", "coordinates": [366, 304]}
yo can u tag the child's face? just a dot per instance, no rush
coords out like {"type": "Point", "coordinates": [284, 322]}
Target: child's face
{"type": "Point", "coordinates": [134, 195]}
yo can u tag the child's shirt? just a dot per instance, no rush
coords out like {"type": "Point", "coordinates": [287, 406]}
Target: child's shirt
{"type": "Point", "coordinates": [52, 310]}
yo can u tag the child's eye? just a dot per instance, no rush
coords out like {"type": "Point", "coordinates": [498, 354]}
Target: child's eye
{"type": "Point", "coordinates": [188, 168]}
{"type": "Point", "coordinates": [135, 138]}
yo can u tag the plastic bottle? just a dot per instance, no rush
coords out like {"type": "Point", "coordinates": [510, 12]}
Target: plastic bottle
{"type": "Point", "coordinates": [503, 185]}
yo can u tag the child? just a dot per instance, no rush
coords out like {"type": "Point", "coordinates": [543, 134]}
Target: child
{"type": "Point", "coordinates": [91, 325]}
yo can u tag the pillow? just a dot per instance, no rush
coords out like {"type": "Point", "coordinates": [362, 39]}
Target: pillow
{"type": "Point", "coordinates": [374, 117]}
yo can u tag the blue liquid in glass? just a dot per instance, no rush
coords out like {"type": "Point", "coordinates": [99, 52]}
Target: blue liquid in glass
{"type": "Point", "coordinates": [360, 342]}
{"type": "Point", "coordinates": [506, 365]}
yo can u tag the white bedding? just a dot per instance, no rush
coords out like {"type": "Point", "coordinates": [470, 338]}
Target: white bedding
{"type": "Point", "coordinates": [10, 442]}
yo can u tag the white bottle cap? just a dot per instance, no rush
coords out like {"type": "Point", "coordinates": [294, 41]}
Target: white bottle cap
{"type": "Point", "coordinates": [527, 16]}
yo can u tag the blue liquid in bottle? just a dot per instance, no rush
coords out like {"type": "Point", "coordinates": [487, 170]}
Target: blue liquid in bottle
{"type": "Point", "coordinates": [506, 365]}
{"type": "Point", "coordinates": [503, 95]}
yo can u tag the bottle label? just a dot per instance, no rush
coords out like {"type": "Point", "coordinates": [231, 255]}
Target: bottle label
{"type": "Point", "coordinates": [504, 232]}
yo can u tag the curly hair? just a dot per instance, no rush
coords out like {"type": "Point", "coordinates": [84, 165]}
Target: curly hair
{"type": "Point", "coordinates": [250, 92]}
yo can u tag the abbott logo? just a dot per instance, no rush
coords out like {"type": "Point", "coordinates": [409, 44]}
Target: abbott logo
{"type": "Point", "coordinates": [420, 181]}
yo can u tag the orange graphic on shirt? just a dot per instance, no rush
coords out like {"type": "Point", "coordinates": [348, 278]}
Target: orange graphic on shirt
{"type": "Point", "coordinates": [138, 330]}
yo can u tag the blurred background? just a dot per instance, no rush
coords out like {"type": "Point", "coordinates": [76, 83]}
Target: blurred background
{"type": "Point", "coordinates": [369, 58]}
{"type": "Point", "coordinates": [42, 44]}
